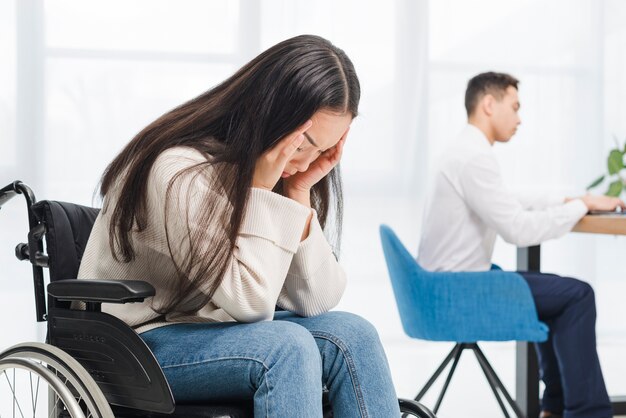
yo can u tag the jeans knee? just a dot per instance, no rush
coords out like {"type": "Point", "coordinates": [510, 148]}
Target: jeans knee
{"type": "Point", "coordinates": [351, 329]}
{"type": "Point", "coordinates": [294, 345]}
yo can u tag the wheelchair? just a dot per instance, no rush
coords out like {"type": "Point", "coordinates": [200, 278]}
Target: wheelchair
{"type": "Point", "coordinates": [92, 364]}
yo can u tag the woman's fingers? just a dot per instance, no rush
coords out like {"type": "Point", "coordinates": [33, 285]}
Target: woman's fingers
{"type": "Point", "coordinates": [288, 150]}
{"type": "Point", "coordinates": [335, 154]}
{"type": "Point", "coordinates": [271, 164]}
{"type": "Point", "coordinates": [320, 167]}
{"type": "Point", "coordinates": [342, 143]}
{"type": "Point", "coordinates": [344, 137]}
{"type": "Point", "coordinates": [288, 146]}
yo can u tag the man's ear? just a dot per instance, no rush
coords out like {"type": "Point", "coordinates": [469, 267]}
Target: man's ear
{"type": "Point", "coordinates": [487, 103]}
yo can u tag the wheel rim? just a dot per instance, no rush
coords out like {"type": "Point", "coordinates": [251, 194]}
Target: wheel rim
{"type": "Point", "coordinates": [38, 380]}
{"type": "Point", "coordinates": [28, 382]}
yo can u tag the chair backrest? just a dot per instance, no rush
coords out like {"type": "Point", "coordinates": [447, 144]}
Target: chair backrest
{"type": "Point", "coordinates": [462, 307]}
{"type": "Point", "coordinates": [67, 231]}
{"type": "Point", "coordinates": [409, 285]}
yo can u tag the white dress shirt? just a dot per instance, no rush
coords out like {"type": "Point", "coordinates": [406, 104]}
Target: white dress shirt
{"type": "Point", "coordinates": [469, 205]}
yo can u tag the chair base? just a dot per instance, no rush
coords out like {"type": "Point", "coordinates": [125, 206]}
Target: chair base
{"type": "Point", "coordinates": [496, 385]}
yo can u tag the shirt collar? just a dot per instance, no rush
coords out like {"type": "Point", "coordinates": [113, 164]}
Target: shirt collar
{"type": "Point", "coordinates": [475, 135]}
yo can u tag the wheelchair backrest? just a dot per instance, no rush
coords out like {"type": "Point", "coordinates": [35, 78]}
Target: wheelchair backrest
{"type": "Point", "coordinates": [67, 231]}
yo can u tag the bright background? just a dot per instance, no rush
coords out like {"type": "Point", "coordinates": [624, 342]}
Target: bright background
{"type": "Point", "coordinates": [79, 78]}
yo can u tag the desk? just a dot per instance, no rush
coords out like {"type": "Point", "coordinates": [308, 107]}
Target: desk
{"type": "Point", "coordinates": [527, 367]}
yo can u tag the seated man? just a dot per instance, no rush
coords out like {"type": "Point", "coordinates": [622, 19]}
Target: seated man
{"type": "Point", "coordinates": [469, 205]}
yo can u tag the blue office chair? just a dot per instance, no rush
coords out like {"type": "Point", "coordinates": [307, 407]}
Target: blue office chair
{"type": "Point", "coordinates": [461, 307]}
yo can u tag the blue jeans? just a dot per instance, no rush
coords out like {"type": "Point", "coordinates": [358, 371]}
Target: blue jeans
{"type": "Point", "coordinates": [281, 364]}
{"type": "Point", "coordinates": [569, 362]}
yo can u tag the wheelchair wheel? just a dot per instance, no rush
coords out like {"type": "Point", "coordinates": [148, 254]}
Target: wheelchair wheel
{"type": "Point", "coordinates": [410, 408]}
{"type": "Point", "coordinates": [40, 380]}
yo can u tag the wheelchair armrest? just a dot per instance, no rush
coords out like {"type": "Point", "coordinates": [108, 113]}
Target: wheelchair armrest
{"type": "Point", "coordinates": [106, 291]}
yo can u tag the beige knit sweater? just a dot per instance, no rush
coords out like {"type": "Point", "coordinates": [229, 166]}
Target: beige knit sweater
{"type": "Point", "coordinates": [269, 266]}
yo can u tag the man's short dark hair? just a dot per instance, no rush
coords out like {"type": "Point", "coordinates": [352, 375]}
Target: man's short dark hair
{"type": "Point", "coordinates": [487, 83]}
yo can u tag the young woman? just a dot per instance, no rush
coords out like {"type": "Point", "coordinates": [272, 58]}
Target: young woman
{"type": "Point", "coordinates": [224, 204]}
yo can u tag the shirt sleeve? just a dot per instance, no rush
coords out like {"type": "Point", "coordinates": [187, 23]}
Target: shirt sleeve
{"type": "Point", "coordinates": [315, 281]}
{"type": "Point", "coordinates": [539, 201]}
{"type": "Point", "coordinates": [481, 184]}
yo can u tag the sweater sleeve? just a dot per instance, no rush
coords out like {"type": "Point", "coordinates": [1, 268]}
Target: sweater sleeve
{"type": "Point", "coordinates": [315, 281]}
{"type": "Point", "coordinates": [485, 194]}
{"type": "Point", "coordinates": [264, 248]}
{"type": "Point", "coordinates": [267, 241]}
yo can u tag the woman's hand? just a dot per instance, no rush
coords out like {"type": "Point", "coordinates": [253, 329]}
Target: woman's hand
{"type": "Point", "coordinates": [271, 163]}
{"type": "Point", "coordinates": [300, 184]}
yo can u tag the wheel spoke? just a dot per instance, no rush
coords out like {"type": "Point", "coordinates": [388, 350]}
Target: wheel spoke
{"type": "Point", "coordinates": [55, 410]}
{"type": "Point", "coordinates": [37, 390]}
{"type": "Point", "coordinates": [12, 387]}
{"type": "Point", "coordinates": [34, 395]}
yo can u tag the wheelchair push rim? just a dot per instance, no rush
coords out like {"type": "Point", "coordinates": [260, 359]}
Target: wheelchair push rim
{"type": "Point", "coordinates": [40, 380]}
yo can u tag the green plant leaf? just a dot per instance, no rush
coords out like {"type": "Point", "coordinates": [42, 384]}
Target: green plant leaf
{"type": "Point", "coordinates": [615, 188]}
{"type": "Point", "coordinates": [615, 161]}
{"type": "Point", "coordinates": [596, 182]}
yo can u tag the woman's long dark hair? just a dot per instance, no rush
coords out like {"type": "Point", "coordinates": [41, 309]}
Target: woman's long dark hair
{"type": "Point", "coordinates": [232, 124]}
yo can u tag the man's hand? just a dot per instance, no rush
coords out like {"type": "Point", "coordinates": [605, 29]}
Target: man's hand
{"type": "Point", "coordinates": [604, 203]}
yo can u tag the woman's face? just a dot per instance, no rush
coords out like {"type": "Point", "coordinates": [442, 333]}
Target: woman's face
{"type": "Point", "coordinates": [327, 129]}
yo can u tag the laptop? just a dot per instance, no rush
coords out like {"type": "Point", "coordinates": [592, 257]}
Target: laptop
{"type": "Point", "coordinates": [617, 211]}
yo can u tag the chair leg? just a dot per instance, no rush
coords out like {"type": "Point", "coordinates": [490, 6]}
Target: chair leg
{"type": "Point", "coordinates": [489, 371]}
{"type": "Point", "coordinates": [438, 372]}
{"type": "Point", "coordinates": [457, 356]}
{"type": "Point", "coordinates": [492, 383]}
{"type": "Point", "coordinates": [492, 378]}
